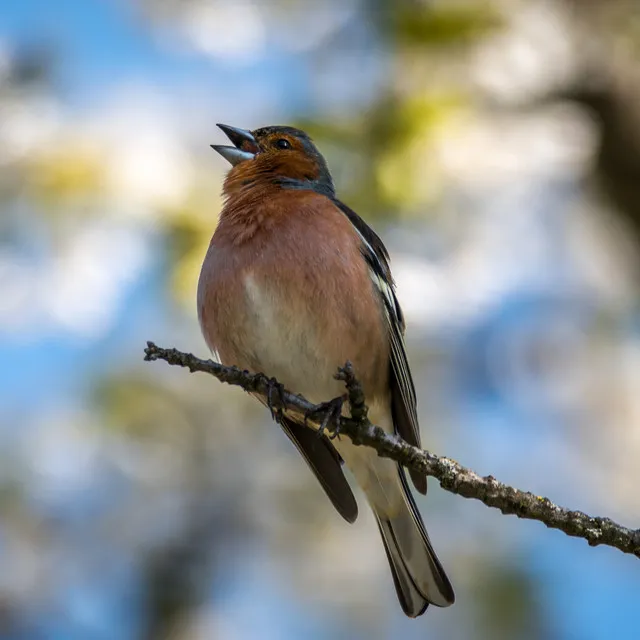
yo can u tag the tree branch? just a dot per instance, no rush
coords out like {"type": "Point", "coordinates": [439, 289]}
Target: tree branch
{"type": "Point", "coordinates": [452, 476]}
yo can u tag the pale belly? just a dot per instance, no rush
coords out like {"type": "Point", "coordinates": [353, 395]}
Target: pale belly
{"type": "Point", "coordinates": [285, 343]}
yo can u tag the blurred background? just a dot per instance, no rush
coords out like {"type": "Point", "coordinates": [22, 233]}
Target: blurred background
{"type": "Point", "coordinates": [495, 146]}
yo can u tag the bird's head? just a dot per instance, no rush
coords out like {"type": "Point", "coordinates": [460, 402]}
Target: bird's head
{"type": "Point", "coordinates": [279, 156]}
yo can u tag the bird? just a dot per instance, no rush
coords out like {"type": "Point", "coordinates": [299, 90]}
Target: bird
{"type": "Point", "coordinates": [293, 285]}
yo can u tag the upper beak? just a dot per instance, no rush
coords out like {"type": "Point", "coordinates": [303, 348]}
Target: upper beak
{"type": "Point", "coordinates": [245, 147]}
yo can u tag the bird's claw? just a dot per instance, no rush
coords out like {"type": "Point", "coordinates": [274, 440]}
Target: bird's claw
{"type": "Point", "coordinates": [331, 412]}
{"type": "Point", "coordinates": [275, 388]}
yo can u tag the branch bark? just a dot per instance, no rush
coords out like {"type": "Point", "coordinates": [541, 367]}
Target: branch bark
{"type": "Point", "coordinates": [452, 476]}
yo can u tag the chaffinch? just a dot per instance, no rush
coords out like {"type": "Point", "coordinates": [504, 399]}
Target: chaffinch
{"type": "Point", "coordinates": [293, 285]}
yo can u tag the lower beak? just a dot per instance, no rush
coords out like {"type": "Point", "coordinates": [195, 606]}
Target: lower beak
{"type": "Point", "coordinates": [245, 145]}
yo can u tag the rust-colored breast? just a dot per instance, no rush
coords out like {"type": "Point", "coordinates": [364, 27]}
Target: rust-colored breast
{"type": "Point", "coordinates": [293, 298]}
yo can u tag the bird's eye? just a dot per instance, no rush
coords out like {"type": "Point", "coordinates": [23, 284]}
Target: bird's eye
{"type": "Point", "coordinates": [283, 143]}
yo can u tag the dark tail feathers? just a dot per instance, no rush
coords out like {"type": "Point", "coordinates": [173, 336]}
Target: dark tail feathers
{"type": "Point", "coordinates": [418, 575]}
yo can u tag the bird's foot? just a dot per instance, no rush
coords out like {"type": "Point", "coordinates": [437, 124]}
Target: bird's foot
{"type": "Point", "coordinates": [331, 413]}
{"type": "Point", "coordinates": [275, 397]}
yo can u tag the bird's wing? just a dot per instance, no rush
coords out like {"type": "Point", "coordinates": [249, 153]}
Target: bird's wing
{"type": "Point", "coordinates": [326, 464]}
{"type": "Point", "coordinates": [403, 392]}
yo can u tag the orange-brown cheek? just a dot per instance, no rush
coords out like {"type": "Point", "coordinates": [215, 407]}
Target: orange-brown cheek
{"type": "Point", "coordinates": [266, 166]}
{"type": "Point", "coordinates": [295, 166]}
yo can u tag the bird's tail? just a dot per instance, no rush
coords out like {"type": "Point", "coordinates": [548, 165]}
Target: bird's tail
{"type": "Point", "coordinates": [419, 577]}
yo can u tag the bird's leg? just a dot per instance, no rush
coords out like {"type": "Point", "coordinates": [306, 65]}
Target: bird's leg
{"type": "Point", "coordinates": [331, 412]}
{"type": "Point", "coordinates": [274, 388]}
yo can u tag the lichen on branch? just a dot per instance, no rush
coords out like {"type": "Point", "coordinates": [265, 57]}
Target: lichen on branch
{"type": "Point", "coordinates": [452, 476]}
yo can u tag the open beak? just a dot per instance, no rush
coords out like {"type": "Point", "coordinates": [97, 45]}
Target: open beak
{"type": "Point", "coordinates": [245, 145]}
